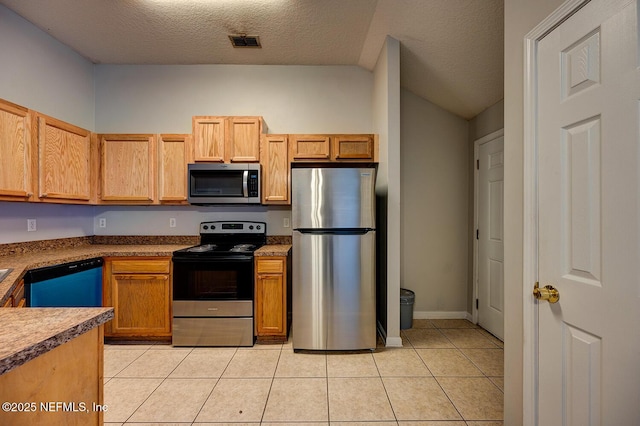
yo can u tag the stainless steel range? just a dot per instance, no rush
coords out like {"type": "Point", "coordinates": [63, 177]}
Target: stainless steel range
{"type": "Point", "coordinates": [213, 285]}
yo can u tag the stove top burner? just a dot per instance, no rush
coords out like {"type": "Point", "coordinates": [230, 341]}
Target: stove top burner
{"type": "Point", "coordinates": [242, 247]}
{"type": "Point", "coordinates": [202, 248]}
{"type": "Point", "coordinates": [226, 239]}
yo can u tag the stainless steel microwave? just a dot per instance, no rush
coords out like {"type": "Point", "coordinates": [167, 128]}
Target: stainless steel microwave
{"type": "Point", "coordinates": [214, 183]}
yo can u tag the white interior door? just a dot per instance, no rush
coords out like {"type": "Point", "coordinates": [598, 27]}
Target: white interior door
{"type": "Point", "coordinates": [490, 258]}
{"type": "Point", "coordinates": [588, 218]}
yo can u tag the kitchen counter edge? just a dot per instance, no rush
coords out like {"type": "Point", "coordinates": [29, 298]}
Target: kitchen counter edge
{"type": "Point", "coordinates": [274, 250]}
{"type": "Point", "coordinates": [28, 333]}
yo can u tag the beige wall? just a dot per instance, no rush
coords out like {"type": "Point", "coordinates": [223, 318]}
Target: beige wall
{"type": "Point", "coordinates": [435, 208]}
{"type": "Point", "coordinates": [386, 119]}
{"type": "Point", "coordinates": [520, 17]}
{"type": "Point", "coordinates": [487, 122]}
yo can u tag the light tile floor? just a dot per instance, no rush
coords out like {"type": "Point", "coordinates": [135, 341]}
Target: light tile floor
{"type": "Point", "coordinates": [449, 373]}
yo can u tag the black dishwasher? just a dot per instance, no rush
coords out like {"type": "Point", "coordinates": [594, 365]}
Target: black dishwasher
{"type": "Point", "coordinates": [74, 284]}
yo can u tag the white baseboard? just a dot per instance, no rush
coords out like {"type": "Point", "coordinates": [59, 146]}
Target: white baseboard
{"type": "Point", "coordinates": [393, 342]}
{"type": "Point", "coordinates": [389, 342]}
{"type": "Point", "coordinates": [442, 315]}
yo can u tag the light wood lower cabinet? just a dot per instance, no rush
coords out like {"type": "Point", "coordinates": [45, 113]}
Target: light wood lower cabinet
{"type": "Point", "coordinates": [16, 299]}
{"type": "Point", "coordinates": [272, 298]}
{"type": "Point", "coordinates": [139, 290]}
{"type": "Point", "coordinates": [71, 373]}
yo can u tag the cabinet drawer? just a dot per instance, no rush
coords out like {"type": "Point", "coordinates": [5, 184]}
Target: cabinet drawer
{"type": "Point", "coordinates": [160, 266]}
{"type": "Point", "coordinates": [266, 266]}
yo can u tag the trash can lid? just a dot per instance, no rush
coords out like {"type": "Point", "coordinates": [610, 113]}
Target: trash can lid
{"type": "Point", "coordinates": [407, 296]}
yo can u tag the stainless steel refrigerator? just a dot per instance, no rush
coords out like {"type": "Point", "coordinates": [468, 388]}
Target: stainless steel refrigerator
{"type": "Point", "coordinates": [333, 276]}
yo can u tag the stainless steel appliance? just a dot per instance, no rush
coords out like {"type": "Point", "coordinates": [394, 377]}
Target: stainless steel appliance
{"type": "Point", "coordinates": [237, 183]}
{"type": "Point", "coordinates": [213, 285]}
{"type": "Point", "coordinates": [333, 216]}
{"type": "Point", "coordinates": [73, 284]}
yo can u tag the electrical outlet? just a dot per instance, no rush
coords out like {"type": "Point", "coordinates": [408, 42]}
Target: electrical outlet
{"type": "Point", "coordinates": [172, 222]}
{"type": "Point", "coordinates": [102, 223]}
{"type": "Point", "coordinates": [285, 222]}
{"type": "Point", "coordinates": [31, 225]}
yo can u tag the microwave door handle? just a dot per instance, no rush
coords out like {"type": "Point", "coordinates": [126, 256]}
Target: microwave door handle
{"type": "Point", "coordinates": [245, 178]}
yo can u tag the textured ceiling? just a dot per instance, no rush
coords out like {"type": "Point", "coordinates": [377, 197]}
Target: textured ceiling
{"type": "Point", "coordinates": [451, 50]}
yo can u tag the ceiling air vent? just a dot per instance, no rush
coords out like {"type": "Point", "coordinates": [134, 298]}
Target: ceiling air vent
{"type": "Point", "coordinates": [245, 41]}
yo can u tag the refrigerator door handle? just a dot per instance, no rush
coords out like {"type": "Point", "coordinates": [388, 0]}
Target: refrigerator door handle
{"type": "Point", "coordinates": [343, 231]}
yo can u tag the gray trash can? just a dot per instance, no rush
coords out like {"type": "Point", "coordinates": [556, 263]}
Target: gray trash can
{"type": "Point", "coordinates": [407, 297]}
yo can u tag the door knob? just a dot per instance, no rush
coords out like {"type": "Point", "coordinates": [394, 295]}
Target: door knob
{"type": "Point", "coordinates": [546, 293]}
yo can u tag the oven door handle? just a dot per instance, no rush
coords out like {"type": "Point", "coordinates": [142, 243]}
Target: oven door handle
{"type": "Point", "coordinates": [217, 259]}
{"type": "Point", "coordinates": [245, 188]}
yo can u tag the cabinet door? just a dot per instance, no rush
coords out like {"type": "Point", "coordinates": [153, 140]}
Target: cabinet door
{"type": "Point", "coordinates": [173, 159]}
{"type": "Point", "coordinates": [127, 169]}
{"type": "Point", "coordinates": [271, 297]}
{"type": "Point", "coordinates": [244, 139]}
{"type": "Point", "coordinates": [65, 161]}
{"type": "Point", "coordinates": [16, 153]}
{"type": "Point", "coordinates": [141, 305]}
{"type": "Point", "coordinates": [270, 311]}
{"type": "Point", "coordinates": [209, 139]}
{"type": "Point", "coordinates": [353, 147]}
{"type": "Point", "coordinates": [310, 147]}
{"type": "Point", "coordinates": [276, 177]}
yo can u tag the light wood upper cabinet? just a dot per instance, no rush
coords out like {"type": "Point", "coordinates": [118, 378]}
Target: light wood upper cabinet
{"type": "Point", "coordinates": [17, 153]}
{"type": "Point", "coordinates": [174, 154]}
{"type": "Point", "coordinates": [310, 147]}
{"type": "Point", "coordinates": [139, 289]}
{"type": "Point", "coordinates": [244, 139]}
{"type": "Point", "coordinates": [127, 169]}
{"type": "Point", "coordinates": [353, 147]}
{"type": "Point", "coordinates": [67, 162]}
{"type": "Point", "coordinates": [227, 139]}
{"type": "Point", "coordinates": [338, 148]}
{"type": "Point", "coordinates": [209, 138]}
{"type": "Point", "coordinates": [276, 176]}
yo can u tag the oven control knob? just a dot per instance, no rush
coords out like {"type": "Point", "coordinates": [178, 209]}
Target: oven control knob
{"type": "Point", "coordinates": [258, 227]}
{"type": "Point", "coordinates": [250, 226]}
{"type": "Point", "coordinates": [213, 227]}
{"type": "Point", "coordinates": [205, 227]}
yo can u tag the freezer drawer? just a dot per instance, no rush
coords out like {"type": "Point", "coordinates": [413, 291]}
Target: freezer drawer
{"type": "Point", "coordinates": [212, 332]}
{"type": "Point", "coordinates": [334, 306]}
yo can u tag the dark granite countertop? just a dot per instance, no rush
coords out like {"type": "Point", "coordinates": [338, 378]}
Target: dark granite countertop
{"type": "Point", "coordinates": [23, 262]}
{"type": "Point", "coordinates": [274, 250]}
{"type": "Point", "coordinates": [28, 333]}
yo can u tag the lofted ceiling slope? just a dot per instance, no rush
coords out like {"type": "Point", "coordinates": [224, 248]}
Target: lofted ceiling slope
{"type": "Point", "coordinates": [451, 50]}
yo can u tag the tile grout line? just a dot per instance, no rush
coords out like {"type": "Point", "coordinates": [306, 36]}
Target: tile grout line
{"type": "Point", "coordinates": [395, 416]}
{"type": "Point", "coordinates": [214, 386]}
{"type": "Point", "coordinates": [159, 384]}
{"type": "Point", "coordinates": [445, 392]}
{"type": "Point", "coordinates": [266, 401]}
